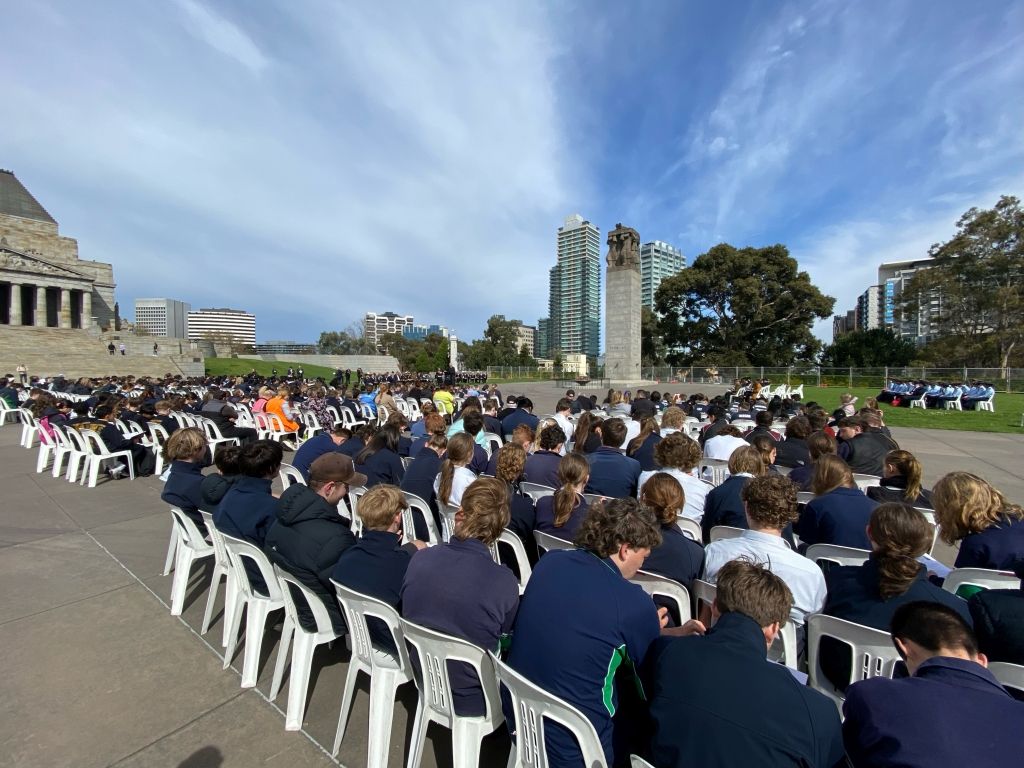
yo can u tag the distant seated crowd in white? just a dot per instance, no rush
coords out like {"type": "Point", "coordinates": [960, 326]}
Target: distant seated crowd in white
{"type": "Point", "coordinates": [704, 493]}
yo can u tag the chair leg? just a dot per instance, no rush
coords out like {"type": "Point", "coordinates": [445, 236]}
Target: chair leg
{"type": "Point", "coordinates": [231, 597]}
{"type": "Point", "coordinates": [218, 572]}
{"type": "Point", "coordinates": [282, 656]}
{"type": "Point", "coordinates": [233, 620]}
{"type": "Point", "coordinates": [179, 585]}
{"type": "Point", "coordinates": [172, 549]}
{"type": "Point", "coordinates": [346, 702]}
{"type": "Point", "coordinates": [298, 681]}
{"type": "Point", "coordinates": [382, 710]}
{"type": "Point", "coordinates": [419, 735]}
{"type": "Point", "coordinates": [255, 624]}
{"type": "Point", "coordinates": [466, 743]}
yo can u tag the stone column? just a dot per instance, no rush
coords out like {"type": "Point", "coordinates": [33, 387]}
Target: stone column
{"type": "Point", "coordinates": [87, 308]}
{"type": "Point", "coordinates": [40, 317]}
{"type": "Point", "coordinates": [622, 301]}
{"type": "Point", "coordinates": [65, 308]}
{"type": "Point", "coordinates": [15, 303]}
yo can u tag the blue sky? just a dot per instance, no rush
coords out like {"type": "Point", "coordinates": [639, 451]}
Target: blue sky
{"type": "Point", "coordinates": [312, 160]}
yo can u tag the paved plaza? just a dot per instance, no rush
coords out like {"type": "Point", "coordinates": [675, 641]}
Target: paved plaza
{"type": "Point", "coordinates": [98, 673]}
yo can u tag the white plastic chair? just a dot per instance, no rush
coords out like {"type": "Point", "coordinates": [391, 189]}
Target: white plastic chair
{"type": "Point", "coordinates": [533, 705]}
{"type": "Point", "coordinates": [986, 405]}
{"type": "Point", "coordinates": [718, 469]}
{"type": "Point", "coordinates": [49, 448]}
{"type": "Point", "coordinates": [979, 577]}
{"type": "Point", "coordinates": [434, 649]}
{"type": "Point", "coordinates": [305, 643]}
{"type": "Point", "coordinates": [448, 512]}
{"type": "Point", "coordinates": [918, 403]}
{"type": "Point", "coordinates": [725, 532]}
{"type": "Point", "coordinates": [387, 672]}
{"type": "Point", "coordinates": [635, 761]}
{"type": "Point", "coordinates": [866, 481]}
{"type": "Point", "coordinates": [408, 523]}
{"type": "Point", "coordinates": [546, 542]}
{"type": "Point", "coordinates": [29, 428]}
{"type": "Point", "coordinates": [214, 437]}
{"type": "Point", "coordinates": [656, 585]}
{"type": "Point", "coordinates": [536, 491]}
{"type": "Point", "coordinates": [348, 418]}
{"type": "Point", "coordinates": [257, 607]}
{"type": "Point", "coordinates": [513, 542]}
{"type": "Point", "coordinates": [222, 567]}
{"type": "Point", "coordinates": [97, 453]}
{"type": "Point", "coordinates": [703, 594]}
{"type": "Point", "coordinates": [954, 405]}
{"type": "Point", "coordinates": [6, 410]}
{"type": "Point", "coordinates": [158, 438]}
{"type": "Point", "coordinates": [836, 554]}
{"type": "Point", "coordinates": [289, 476]}
{"type": "Point", "coordinates": [873, 652]}
{"type": "Point", "coordinates": [1009, 675]}
{"type": "Point", "coordinates": [690, 528]}
{"type": "Point", "coordinates": [78, 458]}
{"type": "Point", "coordinates": [191, 546]}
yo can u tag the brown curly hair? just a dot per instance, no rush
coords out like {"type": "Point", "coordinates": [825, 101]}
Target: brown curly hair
{"type": "Point", "coordinates": [677, 451]}
{"type": "Point", "coordinates": [511, 460]}
{"type": "Point", "coordinates": [771, 501]}
{"type": "Point", "coordinates": [485, 510]}
{"type": "Point", "coordinates": [611, 523]}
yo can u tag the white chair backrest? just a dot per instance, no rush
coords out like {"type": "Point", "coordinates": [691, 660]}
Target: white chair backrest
{"type": "Point", "coordinates": [434, 649]}
{"type": "Point", "coordinates": [188, 530]}
{"type": "Point", "coordinates": [690, 528]}
{"type": "Point", "coordinates": [357, 607]}
{"type": "Point", "coordinates": [1009, 675]}
{"type": "Point", "coordinates": [240, 551]}
{"type": "Point", "coordinates": [289, 475]}
{"type": "Point", "coordinates": [656, 585]}
{"type": "Point", "coordinates": [287, 582]}
{"type": "Point", "coordinates": [408, 525]}
{"type": "Point", "coordinates": [448, 512]}
{"type": "Point", "coordinates": [866, 481]}
{"type": "Point", "coordinates": [536, 491]}
{"type": "Point", "coordinates": [837, 554]}
{"type": "Point", "coordinates": [725, 532]}
{"type": "Point", "coordinates": [717, 468]}
{"type": "Point", "coordinates": [703, 593]}
{"type": "Point", "coordinates": [979, 577]}
{"type": "Point", "coordinates": [158, 435]}
{"type": "Point", "coordinates": [513, 543]}
{"type": "Point", "coordinates": [873, 652]}
{"type": "Point", "coordinates": [220, 551]}
{"type": "Point", "coordinates": [533, 705]}
{"type": "Point", "coordinates": [546, 542]}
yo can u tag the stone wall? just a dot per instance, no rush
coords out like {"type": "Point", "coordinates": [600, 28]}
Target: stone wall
{"type": "Point", "coordinates": [622, 326]}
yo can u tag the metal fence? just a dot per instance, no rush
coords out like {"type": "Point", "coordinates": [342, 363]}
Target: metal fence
{"type": "Point", "coordinates": [1003, 379]}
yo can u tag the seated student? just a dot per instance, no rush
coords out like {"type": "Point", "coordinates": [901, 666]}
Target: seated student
{"type": "Point", "coordinates": [724, 443]}
{"type": "Point", "coordinates": [864, 446]}
{"type": "Point", "coordinates": [143, 460]}
{"type": "Point", "coordinates": [642, 446]}
{"type": "Point", "coordinates": [318, 445]}
{"type": "Point", "coordinates": [164, 418]}
{"type": "Point", "coordinates": [457, 588]}
{"type": "Point", "coordinates": [280, 406]}
{"type": "Point", "coordinates": [793, 452]}
{"type": "Point", "coordinates": [419, 477]}
{"type": "Point", "coordinates": [186, 451]}
{"type": "Point", "coordinates": [433, 424]}
{"type": "Point", "coordinates": [587, 437]}
{"type": "Point", "coordinates": [522, 435]}
{"type": "Point", "coordinates": [360, 437]}
{"type": "Point", "coordinates": [678, 455]}
{"type": "Point", "coordinates": [724, 504]}
{"type": "Point", "coordinates": [581, 619]}
{"type": "Point", "coordinates": [901, 481]}
{"type": "Point", "coordinates": [562, 513]}
{"type": "Point", "coordinates": [379, 460]}
{"type": "Point", "coordinates": [951, 711]}
{"type": "Point", "coordinates": [762, 426]}
{"type": "Point", "coordinates": [678, 557]}
{"type": "Point", "coordinates": [219, 411]}
{"type": "Point", "coordinates": [612, 474]}
{"type": "Point", "coordinates": [455, 476]}
{"type": "Point", "coordinates": [542, 465]}
{"type": "Point", "coordinates": [771, 504]}
{"type": "Point", "coordinates": [989, 528]}
{"type": "Point", "coordinates": [522, 415]}
{"type": "Point", "coordinates": [998, 616]}
{"type": "Point", "coordinates": [672, 420]}
{"type": "Point", "coordinates": [376, 564]}
{"type": "Point", "coordinates": [818, 444]}
{"type": "Point", "coordinates": [473, 425]}
{"type": "Point", "coordinates": [698, 712]}
{"type": "Point", "coordinates": [869, 594]}
{"type": "Point", "coordinates": [523, 520]}
{"type": "Point", "coordinates": [419, 428]}
{"type": "Point", "coordinates": [309, 535]}
{"type": "Point", "coordinates": [215, 485]}
{"type": "Point", "coordinates": [839, 512]}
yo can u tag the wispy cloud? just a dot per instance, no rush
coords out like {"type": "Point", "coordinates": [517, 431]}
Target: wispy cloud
{"type": "Point", "coordinates": [223, 35]}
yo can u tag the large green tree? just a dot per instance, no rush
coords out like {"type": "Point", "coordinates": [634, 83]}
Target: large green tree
{"type": "Point", "coordinates": [876, 348]}
{"type": "Point", "coordinates": [652, 346]}
{"type": "Point", "coordinates": [741, 306]}
{"type": "Point", "coordinates": [978, 278]}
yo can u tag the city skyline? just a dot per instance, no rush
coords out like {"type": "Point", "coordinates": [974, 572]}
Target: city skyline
{"type": "Point", "coordinates": [283, 158]}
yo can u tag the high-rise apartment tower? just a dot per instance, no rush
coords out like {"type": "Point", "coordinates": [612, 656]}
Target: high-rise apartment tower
{"type": "Point", "coordinates": [574, 300]}
{"type": "Point", "coordinates": [658, 260]}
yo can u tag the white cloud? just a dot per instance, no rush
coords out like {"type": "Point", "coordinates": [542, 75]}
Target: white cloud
{"type": "Point", "coordinates": [223, 35]}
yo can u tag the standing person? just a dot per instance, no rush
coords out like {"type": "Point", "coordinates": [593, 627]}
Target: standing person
{"type": "Point", "coordinates": [156, 349]}
{"type": "Point", "coordinates": [22, 373]}
{"type": "Point", "coordinates": [707, 695]}
{"type": "Point", "coordinates": [989, 528]}
{"type": "Point", "coordinates": [111, 348]}
{"type": "Point", "coordinates": [951, 711]}
{"type": "Point", "coordinates": [122, 348]}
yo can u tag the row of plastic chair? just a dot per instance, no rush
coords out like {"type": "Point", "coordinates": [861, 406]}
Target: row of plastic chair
{"type": "Point", "coordinates": [85, 452]}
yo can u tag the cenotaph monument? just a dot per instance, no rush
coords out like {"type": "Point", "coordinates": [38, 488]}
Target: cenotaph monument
{"type": "Point", "coordinates": [622, 306]}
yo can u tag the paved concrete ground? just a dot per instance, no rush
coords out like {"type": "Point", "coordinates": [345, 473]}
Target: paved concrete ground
{"type": "Point", "coordinates": [97, 673]}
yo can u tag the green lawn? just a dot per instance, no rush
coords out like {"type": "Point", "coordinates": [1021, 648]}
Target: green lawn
{"type": "Point", "coordinates": [1009, 408]}
{"type": "Point", "coordinates": [234, 366]}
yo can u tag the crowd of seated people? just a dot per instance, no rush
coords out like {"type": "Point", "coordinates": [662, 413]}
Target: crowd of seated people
{"type": "Point", "coordinates": [936, 394]}
{"type": "Point", "coordinates": [580, 616]}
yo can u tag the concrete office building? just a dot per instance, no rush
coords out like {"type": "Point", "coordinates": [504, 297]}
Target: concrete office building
{"type": "Point", "coordinates": [574, 298]}
{"type": "Point", "coordinates": [162, 317]}
{"type": "Point", "coordinates": [658, 260]}
{"type": "Point", "coordinates": [220, 323]}
{"type": "Point", "coordinates": [377, 324]}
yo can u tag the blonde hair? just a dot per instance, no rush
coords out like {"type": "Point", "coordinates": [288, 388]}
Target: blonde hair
{"type": "Point", "coordinates": [460, 451]}
{"type": "Point", "coordinates": [746, 459]}
{"type": "Point", "coordinates": [673, 417]}
{"type": "Point", "coordinates": [379, 505]}
{"type": "Point", "coordinates": [184, 444]}
{"type": "Point", "coordinates": [907, 465]}
{"type": "Point", "coordinates": [964, 503]}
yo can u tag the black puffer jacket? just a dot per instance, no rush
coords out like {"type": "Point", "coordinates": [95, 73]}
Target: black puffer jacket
{"type": "Point", "coordinates": [306, 540]}
{"type": "Point", "coordinates": [213, 488]}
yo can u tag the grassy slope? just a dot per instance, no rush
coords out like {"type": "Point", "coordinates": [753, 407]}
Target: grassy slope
{"type": "Point", "coordinates": [221, 366]}
{"type": "Point", "coordinates": [1009, 408]}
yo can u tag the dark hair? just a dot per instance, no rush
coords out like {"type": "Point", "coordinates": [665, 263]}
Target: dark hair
{"type": "Point", "coordinates": [664, 496]}
{"type": "Point", "coordinates": [563, 405]}
{"type": "Point", "coordinates": [227, 459]}
{"type": "Point", "coordinates": [551, 437]}
{"type": "Point", "coordinates": [386, 437]}
{"type": "Point", "coordinates": [934, 627]}
{"type": "Point", "coordinates": [614, 522]}
{"type": "Point", "coordinates": [613, 432]}
{"type": "Point", "coordinates": [771, 500]}
{"type": "Point", "coordinates": [473, 421]}
{"type": "Point", "coordinates": [572, 470]}
{"type": "Point", "coordinates": [584, 429]}
{"type": "Point", "coordinates": [798, 427]}
{"type": "Point", "coordinates": [901, 535]}
{"type": "Point", "coordinates": [751, 589]}
{"type": "Point", "coordinates": [763, 419]}
{"type": "Point", "coordinates": [261, 459]}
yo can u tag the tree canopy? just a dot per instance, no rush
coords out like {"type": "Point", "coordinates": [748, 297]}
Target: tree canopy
{"type": "Point", "coordinates": [351, 341]}
{"type": "Point", "coordinates": [741, 306]}
{"type": "Point", "coordinates": [979, 275]}
{"type": "Point", "coordinates": [876, 348]}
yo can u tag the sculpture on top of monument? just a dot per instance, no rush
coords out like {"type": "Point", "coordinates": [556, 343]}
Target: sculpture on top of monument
{"type": "Point", "coordinates": [623, 248]}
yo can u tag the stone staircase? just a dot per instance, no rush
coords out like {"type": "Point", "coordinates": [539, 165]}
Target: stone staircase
{"type": "Point", "coordinates": [74, 353]}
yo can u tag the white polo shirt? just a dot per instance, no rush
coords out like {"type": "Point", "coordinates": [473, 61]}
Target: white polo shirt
{"type": "Point", "coordinates": [803, 577]}
{"type": "Point", "coordinates": [722, 446]}
{"type": "Point", "coordinates": [694, 489]}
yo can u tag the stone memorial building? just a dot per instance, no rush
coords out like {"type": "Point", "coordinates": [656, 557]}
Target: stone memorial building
{"type": "Point", "coordinates": [43, 283]}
